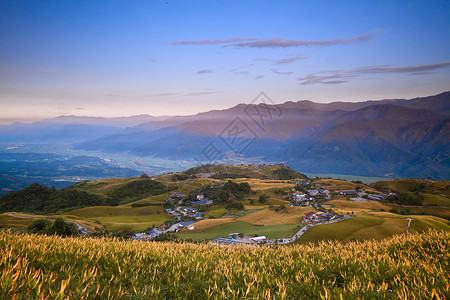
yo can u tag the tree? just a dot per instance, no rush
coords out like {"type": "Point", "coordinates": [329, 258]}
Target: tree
{"type": "Point", "coordinates": [39, 226]}
{"type": "Point", "coordinates": [262, 199]}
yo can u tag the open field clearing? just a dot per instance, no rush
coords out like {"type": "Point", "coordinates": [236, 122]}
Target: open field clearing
{"type": "Point", "coordinates": [379, 226]}
{"type": "Point", "coordinates": [39, 267]}
{"type": "Point", "coordinates": [136, 223]}
{"type": "Point", "coordinates": [348, 205]}
{"type": "Point", "coordinates": [116, 217]}
{"type": "Point", "coordinates": [258, 184]}
{"type": "Point", "coordinates": [208, 224]}
{"type": "Point", "coordinates": [341, 185]}
{"type": "Point", "coordinates": [436, 200]}
{"type": "Point", "coordinates": [21, 221]}
{"type": "Point", "coordinates": [291, 215]}
{"type": "Point", "coordinates": [222, 230]}
{"type": "Point", "coordinates": [339, 231]}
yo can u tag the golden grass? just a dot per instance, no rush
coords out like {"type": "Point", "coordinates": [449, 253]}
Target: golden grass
{"type": "Point", "coordinates": [292, 215]}
{"type": "Point", "coordinates": [21, 221]}
{"type": "Point", "coordinates": [207, 224]}
{"type": "Point", "coordinates": [340, 185]}
{"type": "Point", "coordinates": [260, 184]}
{"type": "Point", "coordinates": [348, 205]}
{"type": "Point", "coordinates": [50, 267]}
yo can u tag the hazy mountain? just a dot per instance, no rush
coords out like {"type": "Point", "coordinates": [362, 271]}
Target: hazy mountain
{"type": "Point", "coordinates": [396, 136]}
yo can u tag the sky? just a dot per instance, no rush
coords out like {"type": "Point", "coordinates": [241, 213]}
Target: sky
{"type": "Point", "coordinates": [122, 58]}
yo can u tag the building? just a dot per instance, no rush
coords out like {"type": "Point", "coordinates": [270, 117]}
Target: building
{"type": "Point", "coordinates": [187, 223]}
{"type": "Point", "coordinates": [258, 239]}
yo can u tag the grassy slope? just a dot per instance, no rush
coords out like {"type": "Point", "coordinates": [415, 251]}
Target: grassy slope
{"type": "Point", "coordinates": [23, 220]}
{"type": "Point", "coordinates": [116, 217]}
{"type": "Point", "coordinates": [270, 231]}
{"type": "Point", "coordinates": [38, 267]}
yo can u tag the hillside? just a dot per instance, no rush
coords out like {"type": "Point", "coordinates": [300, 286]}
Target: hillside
{"type": "Point", "coordinates": [248, 199]}
{"type": "Point", "coordinates": [274, 172]}
{"type": "Point", "coordinates": [54, 267]}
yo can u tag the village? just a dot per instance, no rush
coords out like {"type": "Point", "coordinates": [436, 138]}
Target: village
{"type": "Point", "coordinates": [187, 213]}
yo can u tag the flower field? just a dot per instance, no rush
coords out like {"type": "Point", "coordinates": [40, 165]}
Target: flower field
{"type": "Point", "coordinates": [50, 267]}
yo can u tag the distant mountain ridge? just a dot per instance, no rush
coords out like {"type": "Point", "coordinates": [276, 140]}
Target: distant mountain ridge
{"type": "Point", "coordinates": [403, 138]}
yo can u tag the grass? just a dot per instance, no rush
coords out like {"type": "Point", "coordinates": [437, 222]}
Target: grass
{"type": "Point", "coordinates": [217, 211]}
{"type": "Point", "coordinates": [208, 224]}
{"type": "Point", "coordinates": [136, 223]}
{"type": "Point", "coordinates": [436, 200]}
{"type": "Point", "coordinates": [116, 217]}
{"type": "Point", "coordinates": [292, 215]}
{"type": "Point", "coordinates": [377, 227]}
{"type": "Point", "coordinates": [339, 231]}
{"type": "Point", "coordinates": [258, 184]}
{"type": "Point", "coordinates": [50, 267]}
{"type": "Point", "coordinates": [348, 205]}
{"type": "Point", "coordinates": [271, 231]}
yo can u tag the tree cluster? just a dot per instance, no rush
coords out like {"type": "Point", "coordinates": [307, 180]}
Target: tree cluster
{"type": "Point", "coordinates": [40, 199]}
{"type": "Point", "coordinates": [58, 227]}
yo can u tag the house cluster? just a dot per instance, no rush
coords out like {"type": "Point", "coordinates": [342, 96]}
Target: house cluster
{"type": "Point", "coordinates": [299, 182]}
{"type": "Point", "coordinates": [318, 217]}
{"type": "Point", "coordinates": [317, 192]}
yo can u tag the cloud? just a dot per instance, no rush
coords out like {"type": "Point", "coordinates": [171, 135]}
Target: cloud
{"type": "Point", "coordinates": [213, 42]}
{"type": "Point", "coordinates": [201, 93]}
{"type": "Point", "coordinates": [164, 94]}
{"type": "Point", "coordinates": [280, 72]}
{"type": "Point", "coordinates": [206, 71]}
{"type": "Point", "coordinates": [408, 69]}
{"type": "Point", "coordinates": [279, 42]}
{"type": "Point", "coordinates": [258, 77]}
{"type": "Point", "coordinates": [289, 60]}
{"type": "Point", "coordinates": [342, 76]}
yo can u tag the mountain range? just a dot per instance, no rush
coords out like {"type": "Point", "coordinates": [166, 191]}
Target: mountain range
{"type": "Point", "coordinates": [394, 137]}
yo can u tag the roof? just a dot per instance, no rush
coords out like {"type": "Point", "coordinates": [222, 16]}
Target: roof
{"type": "Point", "coordinates": [258, 238]}
{"type": "Point", "coordinates": [183, 224]}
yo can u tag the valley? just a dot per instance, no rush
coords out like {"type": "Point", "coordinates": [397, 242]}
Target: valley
{"type": "Point", "coordinates": [205, 203]}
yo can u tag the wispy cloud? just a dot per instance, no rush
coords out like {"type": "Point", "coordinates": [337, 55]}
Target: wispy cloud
{"type": "Point", "coordinates": [258, 77]}
{"type": "Point", "coordinates": [342, 76]}
{"type": "Point", "coordinates": [202, 93]}
{"type": "Point", "coordinates": [289, 60]}
{"type": "Point", "coordinates": [206, 71]}
{"type": "Point", "coordinates": [280, 72]}
{"type": "Point", "coordinates": [117, 94]}
{"type": "Point", "coordinates": [213, 42]}
{"type": "Point", "coordinates": [277, 42]}
{"type": "Point", "coordinates": [164, 94]}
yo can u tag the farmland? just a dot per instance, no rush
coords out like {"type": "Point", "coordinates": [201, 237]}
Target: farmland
{"type": "Point", "coordinates": [40, 267]}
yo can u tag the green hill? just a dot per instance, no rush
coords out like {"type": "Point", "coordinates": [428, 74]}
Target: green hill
{"type": "Point", "coordinates": [274, 172]}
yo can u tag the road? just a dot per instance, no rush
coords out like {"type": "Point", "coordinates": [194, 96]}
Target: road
{"type": "Point", "coordinates": [82, 229]}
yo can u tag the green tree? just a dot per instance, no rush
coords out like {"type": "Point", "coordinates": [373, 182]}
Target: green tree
{"type": "Point", "coordinates": [262, 199]}
{"type": "Point", "coordinates": [39, 226]}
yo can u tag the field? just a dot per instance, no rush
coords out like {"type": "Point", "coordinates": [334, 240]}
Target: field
{"type": "Point", "coordinates": [21, 221]}
{"type": "Point", "coordinates": [117, 217]}
{"type": "Point", "coordinates": [222, 230]}
{"type": "Point", "coordinates": [50, 267]}
{"type": "Point", "coordinates": [375, 226]}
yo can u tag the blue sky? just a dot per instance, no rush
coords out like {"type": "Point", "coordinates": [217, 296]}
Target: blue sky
{"type": "Point", "coordinates": [121, 58]}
